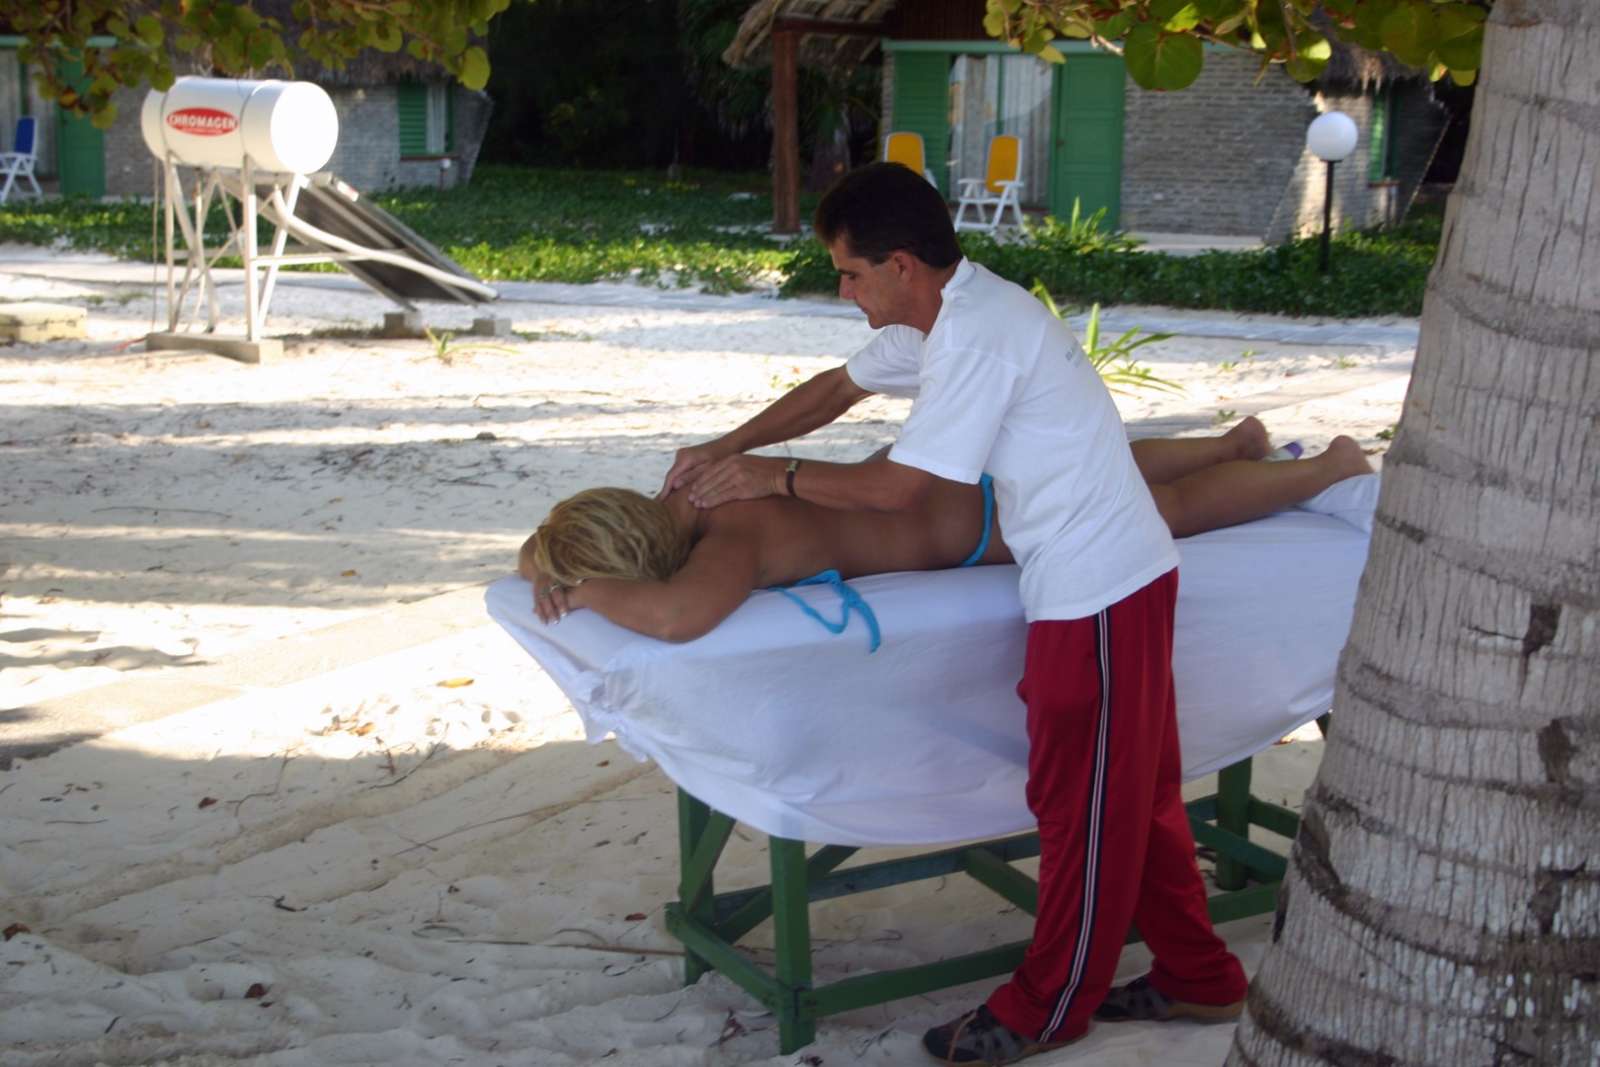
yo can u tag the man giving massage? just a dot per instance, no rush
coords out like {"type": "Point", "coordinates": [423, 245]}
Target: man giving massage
{"type": "Point", "coordinates": [1002, 387]}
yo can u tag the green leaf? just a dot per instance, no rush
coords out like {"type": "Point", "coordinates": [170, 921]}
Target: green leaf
{"type": "Point", "coordinates": [1408, 33]}
{"type": "Point", "coordinates": [1459, 44]}
{"type": "Point", "coordinates": [388, 38]}
{"type": "Point", "coordinates": [1162, 61]}
{"type": "Point", "coordinates": [1175, 16]}
{"type": "Point", "coordinates": [1214, 11]}
{"type": "Point", "coordinates": [150, 30]}
{"type": "Point", "coordinates": [105, 116]}
{"type": "Point", "coordinates": [1115, 26]}
{"type": "Point", "coordinates": [1303, 68]}
{"type": "Point", "coordinates": [1458, 20]}
{"type": "Point", "coordinates": [1463, 78]}
{"type": "Point", "coordinates": [1051, 54]}
{"type": "Point", "coordinates": [474, 68]}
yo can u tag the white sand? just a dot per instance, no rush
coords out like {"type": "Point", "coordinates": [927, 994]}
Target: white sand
{"type": "Point", "coordinates": [416, 873]}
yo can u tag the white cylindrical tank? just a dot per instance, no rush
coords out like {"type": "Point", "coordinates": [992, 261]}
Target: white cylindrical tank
{"type": "Point", "coordinates": [216, 122]}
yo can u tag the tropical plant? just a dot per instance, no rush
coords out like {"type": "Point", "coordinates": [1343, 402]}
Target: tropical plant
{"type": "Point", "coordinates": [1113, 360]}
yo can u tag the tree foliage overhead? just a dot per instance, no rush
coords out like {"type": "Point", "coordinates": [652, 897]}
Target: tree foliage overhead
{"type": "Point", "coordinates": [1163, 41]}
{"type": "Point", "coordinates": [153, 37]}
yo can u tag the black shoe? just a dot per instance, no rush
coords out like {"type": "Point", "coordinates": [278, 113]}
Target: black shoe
{"type": "Point", "coordinates": [978, 1037]}
{"type": "Point", "coordinates": [1139, 1001]}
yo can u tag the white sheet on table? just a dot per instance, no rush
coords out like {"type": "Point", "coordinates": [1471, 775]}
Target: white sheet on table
{"type": "Point", "coordinates": [802, 734]}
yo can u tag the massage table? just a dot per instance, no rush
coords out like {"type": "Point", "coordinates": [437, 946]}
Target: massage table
{"type": "Point", "coordinates": [805, 735]}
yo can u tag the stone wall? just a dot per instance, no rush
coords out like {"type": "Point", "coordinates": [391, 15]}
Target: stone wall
{"type": "Point", "coordinates": [1215, 157]}
{"type": "Point", "coordinates": [130, 168]}
{"type": "Point", "coordinates": [1415, 125]}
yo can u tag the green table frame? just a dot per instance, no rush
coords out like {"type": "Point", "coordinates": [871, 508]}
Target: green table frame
{"type": "Point", "coordinates": [710, 924]}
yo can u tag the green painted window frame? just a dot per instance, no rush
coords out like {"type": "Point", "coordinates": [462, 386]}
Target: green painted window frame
{"type": "Point", "coordinates": [411, 103]}
{"type": "Point", "coordinates": [1380, 148]}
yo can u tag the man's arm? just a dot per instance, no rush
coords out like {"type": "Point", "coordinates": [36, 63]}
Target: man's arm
{"type": "Point", "coordinates": [872, 485]}
{"type": "Point", "coordinates": [813, 403]}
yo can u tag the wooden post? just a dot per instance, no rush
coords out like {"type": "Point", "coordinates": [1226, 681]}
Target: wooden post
{"type": "Point", "coordinates": [785, 134]}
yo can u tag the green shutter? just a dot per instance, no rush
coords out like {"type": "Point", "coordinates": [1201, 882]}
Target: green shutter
{"type": "Point", "coordinates": [1378, 146]}
{"type": "Point", "coordinates": [413, 102]}
{"type": "Point", "coordinates": [922, 105]}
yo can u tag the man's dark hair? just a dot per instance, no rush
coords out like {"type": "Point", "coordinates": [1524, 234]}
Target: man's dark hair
{"type": "Point", "coordinates": [883, 208]}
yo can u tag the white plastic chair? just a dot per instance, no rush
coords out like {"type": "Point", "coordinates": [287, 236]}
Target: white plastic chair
{"type": "Point", "coordinates": [905, 148]}
{"type": "Point", "coordinates": [18, 163]}
{"type": "Point", "coordinates": [999, 188]}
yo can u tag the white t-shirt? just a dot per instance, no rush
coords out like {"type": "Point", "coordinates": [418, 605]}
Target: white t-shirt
{"type": "Point", "coordinates": [1002, 386]}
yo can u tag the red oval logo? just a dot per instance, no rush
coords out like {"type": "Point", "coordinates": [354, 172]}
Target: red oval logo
{"type": "Point", "coordinates": [203, 121]}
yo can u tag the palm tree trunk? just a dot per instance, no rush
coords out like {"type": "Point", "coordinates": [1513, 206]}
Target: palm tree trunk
{"type": "Point", "coordinates": [1443, 899]}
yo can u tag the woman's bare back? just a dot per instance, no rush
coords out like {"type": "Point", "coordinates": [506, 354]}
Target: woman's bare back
{"type": "Point", "coordinates": [794, 539]}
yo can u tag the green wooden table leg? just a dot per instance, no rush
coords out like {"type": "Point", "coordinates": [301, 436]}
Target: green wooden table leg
{"type": "Point", "coordinates": [791, 930]}
{"type": "Point", "coordinates": [1233, 815]}
{"type": "Point", "coordinates": [693, 816]}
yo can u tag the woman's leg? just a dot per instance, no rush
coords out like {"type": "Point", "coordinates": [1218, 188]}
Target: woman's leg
{"type": "Point", "coordinates": [1230, 493]}
{"type": "Point", "coordinates": [1166, 459]}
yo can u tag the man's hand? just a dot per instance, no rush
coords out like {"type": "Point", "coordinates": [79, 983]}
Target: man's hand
{"type": "Point", "coordinates": [737, 478]}
{"type": "Point", "coordinates": [688, 461]}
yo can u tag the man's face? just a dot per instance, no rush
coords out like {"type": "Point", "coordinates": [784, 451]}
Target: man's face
{"type": "Point", "coordinates": [876, 288]}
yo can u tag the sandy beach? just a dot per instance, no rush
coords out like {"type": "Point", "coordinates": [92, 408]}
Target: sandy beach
{"type": "Point", "coordinates": [274, 790]}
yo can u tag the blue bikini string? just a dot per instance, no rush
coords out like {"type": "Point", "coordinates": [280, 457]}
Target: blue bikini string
{"type": "Point", "coordinates": [986, 482]}
{"type": "Point", "coordinates": [849, 596]}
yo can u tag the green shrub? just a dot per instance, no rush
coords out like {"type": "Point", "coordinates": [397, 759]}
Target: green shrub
{"type": "Point", "coordinates": [1374, 272]}
{"type": "Point", "coordinates": [525, 224]}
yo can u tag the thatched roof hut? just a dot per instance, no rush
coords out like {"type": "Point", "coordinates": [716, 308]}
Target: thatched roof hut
{"type": "Point", "coordinates": [843, 33]}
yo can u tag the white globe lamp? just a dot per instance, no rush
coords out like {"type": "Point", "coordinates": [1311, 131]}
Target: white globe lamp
{"type": "Point", "coordinates": [1331, 137]}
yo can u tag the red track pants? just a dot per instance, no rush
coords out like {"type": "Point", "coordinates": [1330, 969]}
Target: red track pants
{"type": "Point", "coordinates": [1104, 773]}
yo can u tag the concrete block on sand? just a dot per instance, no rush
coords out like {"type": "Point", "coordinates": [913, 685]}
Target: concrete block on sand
{"type": "Point", "coordinates": [269, 350]}
{"type": "Point", "coordinates": [399, 325]}
{"type": "Point", "coordinates": [36, 321]}
{"type": "Point", "coordinates": [494, 326]}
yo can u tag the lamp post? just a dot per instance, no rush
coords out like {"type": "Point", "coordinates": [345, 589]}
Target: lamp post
{"type": "Point", "coordinates": [1331, 137]}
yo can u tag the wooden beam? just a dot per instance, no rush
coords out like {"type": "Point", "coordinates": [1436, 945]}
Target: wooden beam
{"type": "Point", "coordinates": [785, 134]}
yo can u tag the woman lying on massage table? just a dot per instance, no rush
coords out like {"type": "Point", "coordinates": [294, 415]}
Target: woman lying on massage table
{"type": "Point", "coordinates": [669, 570]}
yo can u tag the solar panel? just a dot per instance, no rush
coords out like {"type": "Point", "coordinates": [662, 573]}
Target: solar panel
{"type": "Point", "coordinates": [333, 207]}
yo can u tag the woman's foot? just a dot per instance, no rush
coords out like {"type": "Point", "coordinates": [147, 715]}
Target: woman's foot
{"type": "Point", "coordinates": [1249, 439]}
{"type": "Point", "coordinates": [1344, 455]}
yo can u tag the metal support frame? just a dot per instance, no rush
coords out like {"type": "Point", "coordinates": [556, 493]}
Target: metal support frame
{"type": "Point", "coordinates": [186, 212]}
{"type": "Point", "coordinates": [273, 197]}
{"type": "Point", "coordinates": [709, 924]}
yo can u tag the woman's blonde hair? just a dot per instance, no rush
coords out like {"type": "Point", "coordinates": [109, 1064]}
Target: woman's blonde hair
{"type": "Point", "coordinates": [608, 533]}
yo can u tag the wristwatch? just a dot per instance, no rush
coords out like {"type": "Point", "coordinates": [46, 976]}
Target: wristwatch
{"type": "Point", "coordinates": [788, 475]}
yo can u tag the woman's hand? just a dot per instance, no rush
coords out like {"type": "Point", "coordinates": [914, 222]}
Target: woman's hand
{"type": "Point", "coordinates": [552, 601]}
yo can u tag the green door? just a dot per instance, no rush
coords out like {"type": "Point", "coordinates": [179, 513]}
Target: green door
{"type": "Point", "coordinates": [922, 105]}
{"type": "Point", "coordinates": [1087, 160]}
{"type": "Point", "coordinates": [80, 149]}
